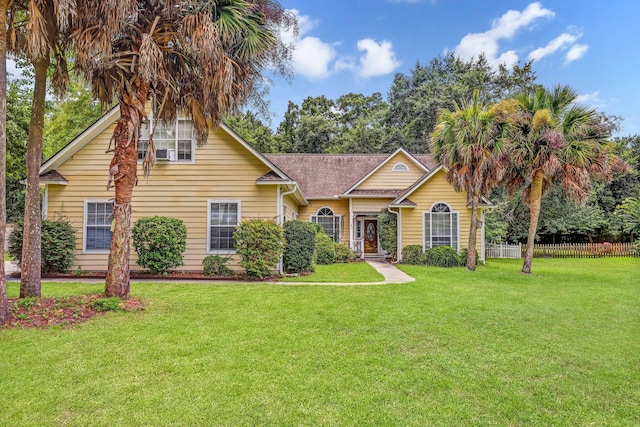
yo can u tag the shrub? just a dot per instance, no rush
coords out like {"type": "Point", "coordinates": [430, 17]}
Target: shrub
{"type": "Point", "coordinates": [442, 256]}
{"type": "Point", "coordinates": [388, 233]}
{"type": "Point", "coordinates": [260, 243]}
{"type": "Point", "coordinates": [412, 254]}
{"type": "Point", "coordinates": [325, 251]}
{"type": "Point", "coordinates": [107, 304]}
{"type": "Point", "coordinates": [300, 238]}
{"type": "Point", "coordinates": [214, 265]}
{"type": "Point", "coordinates": [343, 252]}
{"type": "Point", "coordinates": [58, 244]}
{"type": "Point", "coordinates": [462, 258]}
{"type": "Point", "coordinates": [159, 242]}
{"type": "Point", "coordinates": [636, 247]}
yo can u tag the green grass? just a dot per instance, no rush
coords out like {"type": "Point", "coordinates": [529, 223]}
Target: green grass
{"type": "Point", "coordinates": [340, 273]}
{"type": "Point", "coordinates": [494, 347]}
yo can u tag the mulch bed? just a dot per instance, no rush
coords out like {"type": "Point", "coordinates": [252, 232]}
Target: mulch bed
{"type": "Point", "coordinates": [62, 311]}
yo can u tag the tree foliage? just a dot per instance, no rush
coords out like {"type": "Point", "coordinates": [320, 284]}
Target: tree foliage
{"type": "Point", "coordinates": [416, 99]}
{"type": "Point", "coordinates": [68, 116]}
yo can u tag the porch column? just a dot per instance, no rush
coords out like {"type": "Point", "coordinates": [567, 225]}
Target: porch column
{"type": "Point", "coordinates": [351, 227]}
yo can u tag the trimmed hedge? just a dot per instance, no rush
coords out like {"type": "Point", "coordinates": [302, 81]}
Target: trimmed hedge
{"type": "Point", "coordinates": [412, 254]}
{"type": "Point", "coordinates": [160, 243]}
{"type": "Point", "coordinates": [58, 244]}
{"type": "Point", "coordinates": [300, 243]}
{"type": "Point", "coordinates": [441, 256]}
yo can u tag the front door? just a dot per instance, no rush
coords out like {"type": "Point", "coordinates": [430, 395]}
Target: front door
{"type": "Point", "coordinates": [370, 236]}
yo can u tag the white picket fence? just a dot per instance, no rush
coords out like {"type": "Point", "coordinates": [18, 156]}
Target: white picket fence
{"type": "Point", "coordinates": [504, 251]}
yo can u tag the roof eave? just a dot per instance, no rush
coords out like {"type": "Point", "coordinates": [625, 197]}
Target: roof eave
{"type": "Point", "coordinates": [81, 140]}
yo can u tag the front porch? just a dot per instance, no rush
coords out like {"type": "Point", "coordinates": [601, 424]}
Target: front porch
{"type": "Point", "coordinates": [365, 240]}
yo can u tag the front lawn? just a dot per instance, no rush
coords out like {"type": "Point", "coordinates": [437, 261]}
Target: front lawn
{"type": "Point", "coordinates": [494, 347]}
{"type": "Point", "coordinates": [354, 272]}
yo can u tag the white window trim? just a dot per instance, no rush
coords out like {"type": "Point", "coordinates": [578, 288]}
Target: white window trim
{"type": "Point", "coordinates": [400, 167]}
{"type": "Point", "coordinates": [220, 251]}
{"type": "Point", "coordinates": [334, 216]}
{"type": "Point", "coordinates": [193, 143]}
{"type": "Point", "coordinates": [424, 243]}
{"type": "Point", "coordinates": [84, 227]}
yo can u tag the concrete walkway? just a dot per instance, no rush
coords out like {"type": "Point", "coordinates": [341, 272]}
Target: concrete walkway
{"type": "Point", "coordinates": [389, 271]}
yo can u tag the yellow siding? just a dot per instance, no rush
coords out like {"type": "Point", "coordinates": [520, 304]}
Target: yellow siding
{"type": "Point", "coordinates": [340, 207]}
{"type": "Point", "coordinates": [223, 170]}
{"type": "Point", "coordinates": [370, 205]}
{"type": "Point", "coordinates": [386, 178]}
{"type": "Point", "coordinates": [436, 189]}
{"type": "Point", "coordinates": [291, 208]}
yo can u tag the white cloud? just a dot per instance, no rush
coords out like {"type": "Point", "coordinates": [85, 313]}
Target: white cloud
{"type": "Point", "coordinates": [378, 59]}
{"type": "Point", "coordinates": [487, 43]}
{"type": "Point", "coordinates": [563, 41]}
{"type": "Point", "coordinates": [576, 52]}
{"type": "Point", "coordinates": [316, 59]}
{"type": "Point", "coordinates": [592, 99]}
{"type": "Point", "coordinates": [311, 56]}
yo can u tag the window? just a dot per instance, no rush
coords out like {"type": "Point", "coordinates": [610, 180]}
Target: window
{"type": "Point", "coordinates": [400, 167]}
{"type": "Point", "coordinates": [97, 225]}
{"type": "Point", "coordinates": [331, 224]}
{"type": "Point", "coordinates": [178, 143]}
{"type": "Point", "coordinates": [440, 227]}
{"type": "Point", "coordinates": [224, 216]}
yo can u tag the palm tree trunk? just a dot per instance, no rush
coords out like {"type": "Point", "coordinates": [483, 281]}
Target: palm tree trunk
{"type": "Point", "coordinates": [125, 158]}
{"type": "Point", "coordinates": [31, 244]}
{"type": "Point", "coordinates": [4, 303]}
{"type": "Point", "coordinates": [473, 231]}
{"type": "Point", "coordinates": [535, 200]}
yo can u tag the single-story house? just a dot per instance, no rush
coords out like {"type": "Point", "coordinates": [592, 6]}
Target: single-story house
{"type": "Point", "coordinates": [214, 187]}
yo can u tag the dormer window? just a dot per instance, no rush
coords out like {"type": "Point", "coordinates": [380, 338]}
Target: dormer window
{"type": "Point", "coordinates": [174, 142]}
{"type": "Point", "coordinates": [400, 167]}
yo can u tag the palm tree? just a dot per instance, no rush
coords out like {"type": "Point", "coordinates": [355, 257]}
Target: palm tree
{"type": "Point", "coordinates": [469, 142]}
{"type": "Point", "coordinates": [557, 142]}
{"type": "Point", "coordinates": [199, 58]}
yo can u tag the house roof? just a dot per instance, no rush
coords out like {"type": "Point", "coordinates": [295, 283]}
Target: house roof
{"type": "Point", "coordinates": [322, 176]}
{"type": "Point", "coordinates": [403, 198]}
{"type": "Point", "coordinates": [53, 177]}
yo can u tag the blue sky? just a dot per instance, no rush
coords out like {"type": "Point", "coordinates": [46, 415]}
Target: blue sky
{"type": "Point", "coordinates": [358, 45]}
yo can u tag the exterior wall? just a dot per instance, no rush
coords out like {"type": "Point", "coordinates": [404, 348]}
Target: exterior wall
{"type": "Point", "coordinates": [222, 170]}
{"type": "Point", "coordinates": [436, 189]}
{"type": "Point", "coordinates": [387, 178]}
{"type": "Point", "coordinates": [340, 207]}
{"type": "Point", "coordinates": [291, 208]}
{"type": "Point", "coordinates": [369, 205]}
